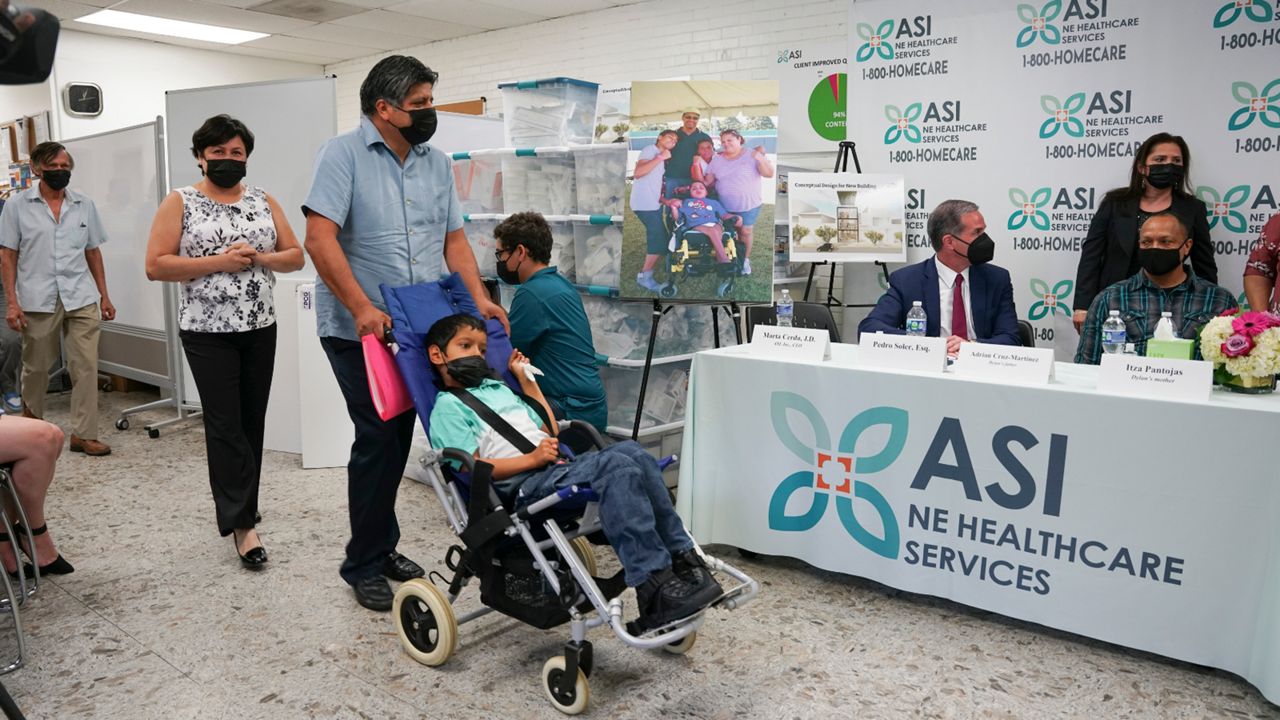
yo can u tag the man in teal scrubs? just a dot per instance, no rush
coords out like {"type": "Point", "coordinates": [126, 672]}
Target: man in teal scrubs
{"type": "Point", "coordinates": [548, 323]}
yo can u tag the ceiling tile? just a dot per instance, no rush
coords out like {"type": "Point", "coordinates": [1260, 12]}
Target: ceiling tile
{"type": "Point", "coordinates": [424, 29]}
{"type": "Point", "coordinates": [317, 48]}
{"type": "Point", "coordinates": [554, 8]}
{"type": "Point", "coordinates": [372, 4]}
{"type": "Point", "coordinates": [276, 55]}
{"type": "Point", "coordinates": [313, 10]}
{"type": "Point", "coordinates": [465, 12]}
{"type": "Point", "coordinates": [64, 10]}
{"type": "Point", "coordinates": [357, 36]}
{"type": "Point", "coordinates": [163, 39]}
{"type": "Point", "coordinates": [212, 14]}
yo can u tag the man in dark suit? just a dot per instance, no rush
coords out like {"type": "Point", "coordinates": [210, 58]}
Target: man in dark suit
{"type": "Point", "coordinates": [965, 298]}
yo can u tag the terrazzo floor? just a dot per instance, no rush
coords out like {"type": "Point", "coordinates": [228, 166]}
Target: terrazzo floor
{"type": "Point", "coordinates": [160, 621]}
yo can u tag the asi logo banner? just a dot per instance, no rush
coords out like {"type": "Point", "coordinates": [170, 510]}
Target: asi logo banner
{"type": "Point", "coordinates": [1256, 10]}
{"type": "Point", "coordinates": [1051, 301]}
{"type": "Point", "coordinates": [1262, 105]}
{"type": "Point", "coordinates": [1039, 24]}
{"type": "Point", "coordinates": [836, 471]}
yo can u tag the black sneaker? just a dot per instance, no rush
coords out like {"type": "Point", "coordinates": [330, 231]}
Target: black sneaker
{"type": "Point", "coordinates": [665, 598]}
{"type": "Point", "coordinates": [690, 567]}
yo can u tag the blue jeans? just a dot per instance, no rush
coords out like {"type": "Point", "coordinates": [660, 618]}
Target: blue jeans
{"type": "Point", "coordinates": [635, 509]}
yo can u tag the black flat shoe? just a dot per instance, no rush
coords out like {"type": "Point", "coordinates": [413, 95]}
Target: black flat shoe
{"type": "Point", "coordinates": [254, 559]}
{"type": "Point", "coordinates": [400, 568]}
{"type": "Point", "coordinates": [374, 593]}
{"type": "Point", "coordinates": [59, 566]}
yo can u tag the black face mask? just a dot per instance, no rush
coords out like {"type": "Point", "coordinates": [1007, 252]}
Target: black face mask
{"type": "Point", "coordinates": [225, 172]}
{"type": "Point", "coordinates": [422, 125]}
{"type": "Point", "coordinates": [507, 275]}
{"type": "Point", "coordinates": [1164, 176]}
{"type": "Point", "coordinates": [981, 249]}
{"type": "Point", "coordinates": [1160, 261]}
{"type": "Point", "coordinates": [56, 179]}
{"type": "Point", "coordinates": [469, 371]}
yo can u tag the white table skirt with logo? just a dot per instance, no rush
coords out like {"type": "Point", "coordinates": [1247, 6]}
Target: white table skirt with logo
{"type": "Point", "coordinates": [1147, 523]}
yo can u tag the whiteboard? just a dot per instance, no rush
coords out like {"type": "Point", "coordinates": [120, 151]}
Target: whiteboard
{"type": "Point", "coordinates": [119, 171]}
{"type": "Point", "coordinates": [456, 132]}
{"type": "Point", "coordinates": [289, 119]}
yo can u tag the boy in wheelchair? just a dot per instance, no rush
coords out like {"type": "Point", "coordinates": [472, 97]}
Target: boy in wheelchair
{"type": "Point", "coordinates": [698, 213]}
{"type": "Point", "coordinates": [657, 555]}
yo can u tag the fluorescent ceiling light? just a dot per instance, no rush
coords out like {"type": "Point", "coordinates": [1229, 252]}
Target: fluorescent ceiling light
{"type": "Point", "coordinates": [165, 26]}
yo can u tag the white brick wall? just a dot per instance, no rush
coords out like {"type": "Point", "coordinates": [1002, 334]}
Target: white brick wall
{"type": "Point", "coordinates": [660, 38]}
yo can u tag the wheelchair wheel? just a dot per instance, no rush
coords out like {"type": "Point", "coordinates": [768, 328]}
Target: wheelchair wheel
{"type": "Point", "coordinates": [587, 554]}
{"type": "Point", "coordinates": [669, 290]}
{"type": "Point", "coordinates": [568, 701]}
{"type": "Point", "coordinates": [425, 622]}
{"type": "Point", "coordinates": [683, 645]}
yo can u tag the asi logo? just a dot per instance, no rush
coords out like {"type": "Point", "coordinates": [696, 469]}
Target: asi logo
{"type": "Point", "coordinates": [1263, 106]}
{"type": "Point", "coordinates": [1255, 10]}
{"type": "Point", "coordinates": [903, 123]}
{"type": "Point", "coordinates": [1051, 301]}
{"type": "Point", "coordinates": [1062, 115]}
{"type": "Point", "coordinates": [788, 55]}
{"type": "Point", "coordinates": [1039, 23]}
{"type": "Point", "coordinates": [1030, 209]}
{"type": "Point", "coordinates": [835, 471]}
{"type": "Point", "coordinates": [877, 41]}
{"type": "Point", "coordinates": [1224, 207]}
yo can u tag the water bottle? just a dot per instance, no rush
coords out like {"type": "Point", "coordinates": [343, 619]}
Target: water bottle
{"type": "Point", "coordinates": [1164, 328]}
{"type": "Point", "coordinates": [1113, 334]}
{"type": "Point", "coordinates": [786, 309]}
{"type": "Point", "coordinates": [916, 319]}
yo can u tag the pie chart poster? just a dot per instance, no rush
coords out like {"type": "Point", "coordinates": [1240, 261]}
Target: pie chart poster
{"type": "Point", "coordinates": [814, 83]}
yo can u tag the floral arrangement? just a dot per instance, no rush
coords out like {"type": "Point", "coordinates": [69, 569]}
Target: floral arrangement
{"type": "Point", "coordinates": [1246, 344]}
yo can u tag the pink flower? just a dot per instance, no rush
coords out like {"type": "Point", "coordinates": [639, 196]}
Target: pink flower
{"type": "Point", "coordinates": [1237, 346]}
{"type": "Point", "coordinates": [1251, 323]}
{"type": "Point", "coordinates": [1270, 319]}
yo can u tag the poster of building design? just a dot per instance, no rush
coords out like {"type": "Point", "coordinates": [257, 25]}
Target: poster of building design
{"type": "Point", "coordinates": [839, 217]}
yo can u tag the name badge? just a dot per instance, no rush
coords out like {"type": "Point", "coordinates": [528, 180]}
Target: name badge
{"type": "Point", "coordinates": [1155, 377]}
{"type": "Point", "coordinates": [1006, 363]}
{"type": "Point", "coordinates": [903, 352]}
{"type": "Point", "coordinates": [793, 343]}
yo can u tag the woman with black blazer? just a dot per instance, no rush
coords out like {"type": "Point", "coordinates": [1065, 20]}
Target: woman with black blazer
{"type": "Point", "coordinates": [1159, 180]}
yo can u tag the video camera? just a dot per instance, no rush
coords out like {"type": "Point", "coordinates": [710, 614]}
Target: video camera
{"type": "Point", "coordinates": [28, 38]}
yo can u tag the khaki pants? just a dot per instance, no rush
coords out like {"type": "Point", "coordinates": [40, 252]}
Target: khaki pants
{"type": "Point", "coordinates": [40, 350]}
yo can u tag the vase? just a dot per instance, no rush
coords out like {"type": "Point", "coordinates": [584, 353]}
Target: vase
{"type": "Point", "coordinates": [1249, 384]}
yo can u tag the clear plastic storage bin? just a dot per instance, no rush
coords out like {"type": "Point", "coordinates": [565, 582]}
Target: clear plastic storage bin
{"type": "Point", "coordinates": [621, 329]}
{"type": "Point", "coordinates": [478, 177]}
{"type": "Point", "coordinates": [538, 179]}
{"type": "Point", "coordinates": [601, 178]}
{"type": "Point", "coordinates": [562, 255]}
{"type": "Point", "coordinates": [597, 247]}
{"type": "Point", "coordinates": [479, 230]}
{"type": "Point", "coordinates": [554, 111]}
{"type": "Point", "coordinates": [664, 400]}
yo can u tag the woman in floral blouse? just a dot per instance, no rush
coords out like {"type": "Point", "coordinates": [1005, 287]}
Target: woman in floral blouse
{"type": "Point", "coordinates": [223, 241]}
{"type": "Point", "coordinates": [1262, 271]}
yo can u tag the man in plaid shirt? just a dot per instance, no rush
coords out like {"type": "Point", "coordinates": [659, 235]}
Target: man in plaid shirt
{"type": "Point", "coordinates": [1164, 284]}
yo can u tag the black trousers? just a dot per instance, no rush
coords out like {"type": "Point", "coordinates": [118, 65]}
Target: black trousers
{"type": "Point", "coordinates": [233, 374]}
{"type": "Point", "coordinates": [378, 457]}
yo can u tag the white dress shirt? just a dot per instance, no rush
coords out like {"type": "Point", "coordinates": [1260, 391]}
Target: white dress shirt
{"type": "Point", "coordinates": [947, 281]}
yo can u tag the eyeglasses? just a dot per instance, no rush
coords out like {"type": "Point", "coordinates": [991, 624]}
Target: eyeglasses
{"type": "Point", "coordinates": [501, 255]}
{"type": "Point", "coordinates": [1161, 243]}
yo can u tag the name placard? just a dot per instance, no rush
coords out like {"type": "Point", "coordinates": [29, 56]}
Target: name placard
{"type": "Point", "coordinates": [1006, 363]}
{"type": "Point", "coordinates": [793, 343]}
{"type": "Point", "coordinates": [903, 352]}
{"type": "Point", "coordinates": [1155, 377]}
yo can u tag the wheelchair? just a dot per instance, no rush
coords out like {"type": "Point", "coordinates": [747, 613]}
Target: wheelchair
{"type": "Point", "coordinates": [535, 564]}
{"type": "Point", "coordinates": [691, 254]}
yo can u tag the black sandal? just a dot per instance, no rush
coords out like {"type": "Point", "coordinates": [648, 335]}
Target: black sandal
{"type": "Point", "coordinates": [59, 566]}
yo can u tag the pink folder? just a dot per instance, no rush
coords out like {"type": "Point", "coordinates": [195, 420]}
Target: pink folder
{"type": "Point", "coordinates": [390, 396]}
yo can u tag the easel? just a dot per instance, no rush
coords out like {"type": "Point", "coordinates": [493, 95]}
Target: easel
{"type": "Point", "coordinates": [734, 312]}
{"type": "Point", "coordinates": [847, 149]}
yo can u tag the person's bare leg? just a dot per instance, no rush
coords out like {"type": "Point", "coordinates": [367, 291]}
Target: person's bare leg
{"type": "Point", "coordinates": [649, 262]}
{"type": "Point", "coordinates": [715, 233]}
{"type": "Point", "coordinates": [747, 231]}
{"type": "Point", "coordinates": [33, 447]}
